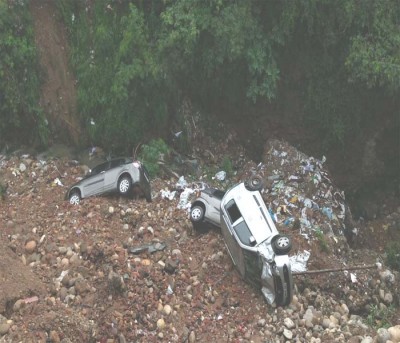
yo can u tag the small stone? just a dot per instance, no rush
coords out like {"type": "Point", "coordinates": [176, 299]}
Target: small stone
{"type": "Point", "coordinates": [167, 310]}
{"type": "Point", "coordinates": [192, 337]}
{"type": "Point", "coordinates": [367, 339]}
{"type": "Point", "coordinates": [18, 305]}
{"type": "Point", "coordinates": [394, 333]}
{"type": "Point", "coordinates": [326, 323]}
{"type": "Point", "coordinates": [161, 324]}
{"type": "Point", "coordinates": [261, 323]}
{"type": "Point", "coordinates": [65, 262]}
{"type": "Point", "coordinates": [388, 298]}
{"type": "Point", "coordinates": [4, 327]}
{"type": "Point", "coordinates": [75, 260]}
{"type": "Point", "coordinates": [382, 335]}
{"type": "Point", "coordinates": [54, 337]}
{"type": "Point", "coordinates": [287, 333]}
{"type": "Point", "coordinates": [30, 247]}
{"type": "Point", "coordinates": [111, 210]}
{"type": "Point", "coordinates": [289, 323]}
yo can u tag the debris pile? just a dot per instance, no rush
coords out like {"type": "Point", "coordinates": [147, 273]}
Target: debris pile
{"type": "Point", "coordinates": [300, 194]}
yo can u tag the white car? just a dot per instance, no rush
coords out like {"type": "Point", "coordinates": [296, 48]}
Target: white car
{"type": "Point", "coordinates": [258, 250]}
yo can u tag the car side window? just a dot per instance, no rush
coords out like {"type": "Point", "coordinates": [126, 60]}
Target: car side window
{"type": "Point", "coordinates": [243, 232]}
{"type": "Point", "coordinates": [98, 169]}
{"type": "Point", "coordinates": [116, 163]}
{"type": "Point", "coordinates": [233, 211]}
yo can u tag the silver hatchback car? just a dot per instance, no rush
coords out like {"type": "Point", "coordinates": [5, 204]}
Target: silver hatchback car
{"type": "Point", "coordinates": [120, 175]}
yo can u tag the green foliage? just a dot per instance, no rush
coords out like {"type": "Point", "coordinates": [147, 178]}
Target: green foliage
{"type": "Point", "coordinates": [322, 240]}
{"type": "Point", "coordinates": [227, 166]}
{"type": "Point", "coordinates": [135, 61]}
{"type": "Point", "coordinates": [152, 153]}
{"type": "Point", "coordinates": [393, 255]}
{"type": "Point", "coordinates": [122, 92]}
{"type": "Point", "coordinates": [380, 317]}
{"type": "Point", "coordinates": [374, 51]}
{"type": "Point", "coordinates": [22, 121]}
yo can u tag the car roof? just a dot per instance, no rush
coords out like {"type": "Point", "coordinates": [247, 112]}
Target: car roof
{"type": "Point", "coordinates": [254, 212]}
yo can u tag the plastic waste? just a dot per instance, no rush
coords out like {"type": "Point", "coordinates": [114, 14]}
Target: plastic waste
{"type": "Point", "coordinates": [184, 202]}
{"type": "Point", "coordinates": [328, 212]}
{"type": "Point", "coordinates": [220, 176]}
{"type": "Point", "coordinates": [165, 194]}
{"type": "Point", "coordinates": [299, 262]}
{"type": "Point", "coordinates": [182, 183]}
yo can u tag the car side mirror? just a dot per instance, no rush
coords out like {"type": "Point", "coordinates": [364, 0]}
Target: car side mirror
{"type": "Point", "coordinates": [252, 241]}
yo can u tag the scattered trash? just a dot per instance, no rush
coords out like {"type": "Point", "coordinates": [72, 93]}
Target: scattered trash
{"type": "Point", "coordinates": [169, 290]}
{"type": "Point", "coordinates": [184, 202]}
{"type": "Point", "coordinates": [181, 184]}
{"type": "Point", "coordinates": [166, 194]}
{"type": "Point", "coordinates": [353, 278]}
{"type": "Point", "coordinates": [57, 182]}
{"type": "Point", "coordinates": [299, 261]}
{"type": "Point", "coordinates": [31, 300]}
{"type": "Point", "coordinates": [220, 176]}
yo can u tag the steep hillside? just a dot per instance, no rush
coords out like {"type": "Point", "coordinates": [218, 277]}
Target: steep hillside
{"type": "Point", "coordinates": [58, 93]}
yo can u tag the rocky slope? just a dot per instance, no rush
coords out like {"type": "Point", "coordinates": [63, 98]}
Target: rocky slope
{"type": "Point", "coordinates": [121, 270]}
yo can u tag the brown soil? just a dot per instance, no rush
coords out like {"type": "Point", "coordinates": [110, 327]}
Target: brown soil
{"type": "Point", "coordinates": [58, 96]}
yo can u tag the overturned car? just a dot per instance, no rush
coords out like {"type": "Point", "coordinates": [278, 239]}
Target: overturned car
{"type": "Point", "coordinates": [258, 251]}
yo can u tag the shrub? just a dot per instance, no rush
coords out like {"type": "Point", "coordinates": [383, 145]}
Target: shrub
{"type": "Point", "coordinates": [380, 317]}
{"type": "Point", "coordinates": [393, 255]}
{"type": "Point", "coordinates": [151, 155]}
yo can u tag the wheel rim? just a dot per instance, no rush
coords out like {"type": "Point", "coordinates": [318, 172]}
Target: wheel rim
{"type": "Point", "coordinates": [124, 186]}
{"type": "Point", "coordinates": [255, 182]}
{"type": "Point", "coordinates": [74, 199]}
{"type": "Point", "coordinates": [196, 213]}
{"type": "Point", "coordinates": [282, 242]}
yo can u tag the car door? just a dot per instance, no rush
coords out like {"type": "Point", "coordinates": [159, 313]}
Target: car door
{"type": "Point", "coordinates": [231, 216]}
{"type": "Point", "coordinates": [95, 183]}
{"type": "Point", "coordinates": [111, 175]}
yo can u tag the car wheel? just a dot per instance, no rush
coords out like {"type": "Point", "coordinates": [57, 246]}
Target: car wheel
{"type": "Point", "coordinates": [281, 244]}
{"type": "Point", "coordinates": [196, 213]}
{"type": "Point", "coordinates": [74, 198]}
{"type": "Point", "coordinates": [124, 185]}
{"type": "Point", "coordinates": [255, 183]}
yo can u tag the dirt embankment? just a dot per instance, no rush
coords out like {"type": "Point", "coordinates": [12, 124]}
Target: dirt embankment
{"type": "Point", "coordinates": [58, 93]}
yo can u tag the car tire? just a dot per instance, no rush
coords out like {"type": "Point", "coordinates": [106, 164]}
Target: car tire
{"type": "Point", "coordinates": [197, 213]}
{"type": "Point", "coordinates": [281, 244]}
{"type": "Point", "coordinates": [74, 198]}
{"type": "Point", "coordinates": [124, 185]}
{"type": "Point", "coordinates": [254, 183]}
